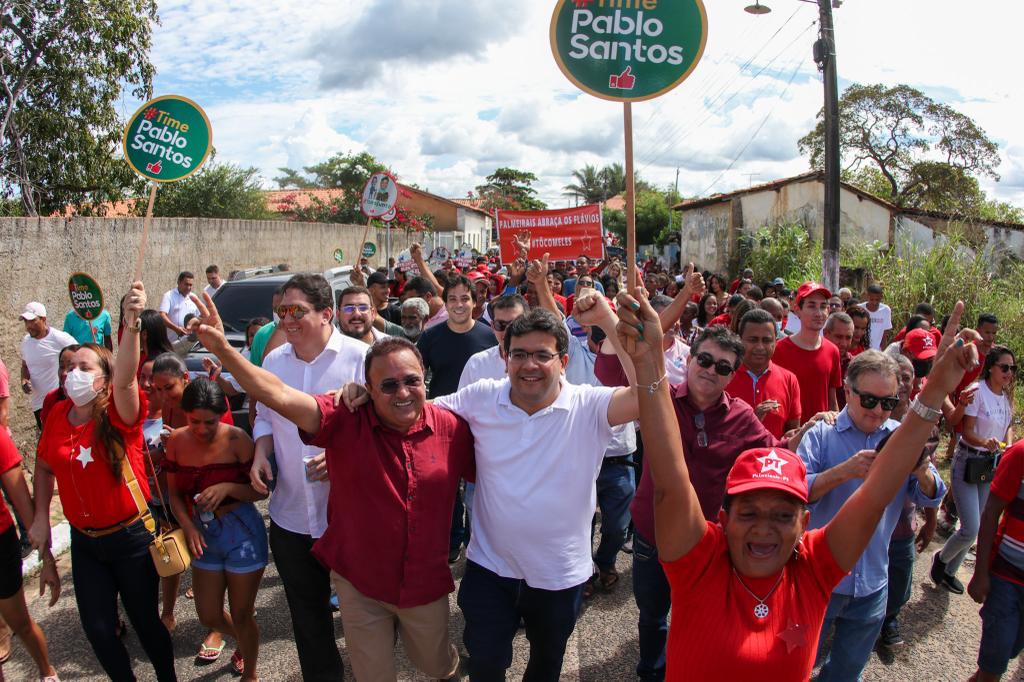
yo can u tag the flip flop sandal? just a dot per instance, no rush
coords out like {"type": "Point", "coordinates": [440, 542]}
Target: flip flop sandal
{"type": "Point", "coordinates": [209, 654]}
{"type": "Point", "coordinates": [607, 581]}
{"type": "Point", "coordinates": [591, 586]}
{"type": "Point", "coordinates": [237, 662]}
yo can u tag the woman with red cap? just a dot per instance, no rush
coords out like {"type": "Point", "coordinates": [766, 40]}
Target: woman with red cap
{"type": "Point", "coordinates": [749, 593]}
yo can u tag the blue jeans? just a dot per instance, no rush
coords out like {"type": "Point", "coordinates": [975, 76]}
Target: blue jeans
{"type": "Point", "coordinates": [119, 564]}
{"type": "Point", "coordinates": [493, 606]}
{"type": "Point", "coordinates": [653, 599]}
{"type": "Point", "coordinates": [460, 529]}
{"type": "Point", "coordinates": [1002, 626]}
{"type": "Point", "coordinates": [970, 501]}
{"type": "Point", "coordinates": [615, 490]}
{"type": "Point", "coordinates": [857, 620]}
{"type": "Point", "coordinates": [901, 578]}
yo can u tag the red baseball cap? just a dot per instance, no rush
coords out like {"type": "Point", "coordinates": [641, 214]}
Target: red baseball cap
{"type": "Point", "coordinates": [768, 468]}
{"type": "Point", "coordinates": [920, 343]}
{"type": "Point", "coordinates": [475, 275]}
{"type": "Point", "coordinates": [809, 289]}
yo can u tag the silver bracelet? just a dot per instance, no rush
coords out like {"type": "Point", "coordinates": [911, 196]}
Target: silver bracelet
{"type": "Point", "coordinates": [653, 388]}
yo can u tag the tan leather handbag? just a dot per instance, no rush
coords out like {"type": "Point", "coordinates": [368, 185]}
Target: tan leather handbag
{"type": "Point", "coordinates": [169, 548]}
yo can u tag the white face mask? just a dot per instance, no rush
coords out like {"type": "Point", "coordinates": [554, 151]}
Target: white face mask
{"type": "Point", "coordinates": [78, 386]}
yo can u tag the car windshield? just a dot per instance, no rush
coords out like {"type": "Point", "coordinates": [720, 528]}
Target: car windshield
{"type": "Point", "coordinates": [240, 302]}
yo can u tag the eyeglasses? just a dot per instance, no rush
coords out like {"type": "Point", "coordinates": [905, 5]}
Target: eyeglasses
{"type": "Point", "coordinates": [1007, 368]}
{"type": "Point", "coordinates": [391, 386]}
{"type": "Point", "coordinates": [295, 310]}
{"type": "Point", "coordinates": [723, 368]}
{"type": "Point", "coordinates": [702, 436]}
{"type": "Point", "coordinates": [542, 357]}
{"type": "Point", "coordinates": [501, 325]}
{"type": "Point", "coordinates": [869, 401]}
{"type": "Point", "coordinates": [350, 308]}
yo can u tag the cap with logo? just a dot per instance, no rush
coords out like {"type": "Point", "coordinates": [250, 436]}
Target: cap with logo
{"type": "Point", "coordinates": [920, 343]}
{"type": "Point", "coordinates": [768, 469]}
{"type": "Point", "coordinates": [809, 289]}
{"type": "Point", "coordinates": [33, 310]}
{"type": "Point", "coordinates": [474, 275]}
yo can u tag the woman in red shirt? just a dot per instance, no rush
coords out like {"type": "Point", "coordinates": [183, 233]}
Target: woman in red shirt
{"type": "Point", "coordinates": [12, 593]}
{"type": "Point", "coordinates": [211, 495]}
{"type": "Point", "coordinates": [86, 443]}
{"type": "Point", "coordinates": [749, 593]}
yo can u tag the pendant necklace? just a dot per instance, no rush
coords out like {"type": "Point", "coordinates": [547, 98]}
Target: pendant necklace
{"type": "Point", "coordinates": [761, 610]}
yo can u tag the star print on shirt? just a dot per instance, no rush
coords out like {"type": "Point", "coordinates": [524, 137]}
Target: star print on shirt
{"type": "Point", "coordinates": [84, 455]}
{"type": "Point", "coordinates": [794, 636]}
{"type": "Point", "coordinates": [772, 463]}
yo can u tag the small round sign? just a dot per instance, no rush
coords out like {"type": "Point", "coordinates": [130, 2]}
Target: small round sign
{"type": "Point", "coordinates": [628, 51]}
{"type": "Point", "coordinates": [339, 256]}
{"type": "Point", "coordinates": [369, 250]}
{"type": "Point", "coordinates": [379, 195]}
{"type": "Point", "coordinates": [86, 296]}
{"type": "Point", "coordinates": [167, 139]}
{"type": "Point", "coordinates": [390, 215]}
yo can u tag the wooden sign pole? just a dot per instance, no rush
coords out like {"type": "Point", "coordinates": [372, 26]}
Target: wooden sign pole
{"type": "Point", "coordinates": [630, 200]}
{"type": "Point", "coordinates": [359, 248]}
{"type": "Point", "coordinates": [145, 235]}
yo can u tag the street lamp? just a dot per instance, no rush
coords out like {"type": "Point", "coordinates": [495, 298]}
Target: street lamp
{"type": "Point", "coordinates": [825, 58]}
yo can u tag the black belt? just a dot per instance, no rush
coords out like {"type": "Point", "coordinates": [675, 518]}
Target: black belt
{"type": "Point", "coordinates": [621, 459]}
{"type": "Point", "coordinates": [978, 452]}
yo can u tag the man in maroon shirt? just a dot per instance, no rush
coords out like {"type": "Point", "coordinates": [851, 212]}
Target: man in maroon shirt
{"type": "Point", "coordinates": [394, 466]}
{"type": "Point", "coordinates": [771, 390]}
{"type": "Point", "coordinates": [814, 360]}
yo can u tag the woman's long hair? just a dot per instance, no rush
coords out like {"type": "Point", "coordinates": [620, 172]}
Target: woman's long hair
{"type": "Point", "coordinates": [156, 334]}
{"type": "Point", "coordinates": [109, 438]}
{"type": "Point", "coordinates": [702, 314]}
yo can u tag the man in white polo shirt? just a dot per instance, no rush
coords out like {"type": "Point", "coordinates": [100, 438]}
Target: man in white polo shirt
{"type": "Point", "coordinates": [39, 352]}
{"type": "Point", "coordinates": [540, 442]}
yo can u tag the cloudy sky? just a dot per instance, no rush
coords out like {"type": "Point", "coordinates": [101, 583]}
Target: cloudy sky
{"type": "Point", "coordinates": [445, 91]}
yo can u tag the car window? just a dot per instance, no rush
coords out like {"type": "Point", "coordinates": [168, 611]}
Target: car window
{"type": "Point", "coordinates": [241, 302]}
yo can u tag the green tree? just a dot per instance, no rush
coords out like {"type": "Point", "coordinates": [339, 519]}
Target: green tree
{"type": "Point", "coordinates": [216, 191]}
{"type": "Point", "coordinates": [510, 189]}
{"type": "Point", "coordinates": [347, 172]}
{"type": "Point", "coordinates": [900, 132]}
{"type": "Point", "coordinates": [652, 217]}
{"type": "Point", "coordinates": [588, 186]}
{"type": "Point", "coordinates": [65, 68]}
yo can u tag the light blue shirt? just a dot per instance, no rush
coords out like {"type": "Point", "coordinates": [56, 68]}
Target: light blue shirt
{"type": "Point", "coordinates": [82, 330]}
{"type": "Point", "coordinates": [824, 447]}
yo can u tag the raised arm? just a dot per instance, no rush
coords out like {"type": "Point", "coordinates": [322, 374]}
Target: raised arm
{"type": "Point", "coordinates": [416, 251]}
{"type": "Point", "coordinates": [849, 531]}
{"type": "Point", "coordinates": [693, 284]}
{"type": "Point", "coordinates": [126, 362]}
{"type": "Point", "coordinates": [537, 274]}
{"type": "Point", "coordinates": [295, 406]}
{"type": "Point", "coordinates": [679, 523]}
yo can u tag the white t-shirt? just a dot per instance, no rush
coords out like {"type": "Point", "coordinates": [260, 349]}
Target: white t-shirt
{"type": "Point", "coordinates": [177, 307]}
{"type": "Point", "coordinates": [792, 323]}
{"type": "Point", "coordinates": [992, 413]}
{"type": "Point", "coordinates": [210, 290]}
{"type": "Point", "coordinates": [40, 355]}
{"type": "Point", "coordinates": [676, 358]}
{"type": "Point", "coordinates": [881, 322]}
{"type": "Point", "coordinates": [535, 480]}
{"type": "Point", "coordinates": [487, 364]}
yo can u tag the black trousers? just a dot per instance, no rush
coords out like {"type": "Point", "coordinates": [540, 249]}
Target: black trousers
{"type": "Point", "coordinates": [307, 586]}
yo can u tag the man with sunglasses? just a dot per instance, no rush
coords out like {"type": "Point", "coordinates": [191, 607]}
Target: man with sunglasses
{"type": "Point", "coordinates": [316, 358]}
{"type": "Point", "coordinates": [357, 317]}
{"type": "Point", "coordinates": [839, 458]}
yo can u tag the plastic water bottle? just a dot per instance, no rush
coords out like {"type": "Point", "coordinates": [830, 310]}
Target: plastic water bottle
{"type": "Point", "coordinates": [204, 516]}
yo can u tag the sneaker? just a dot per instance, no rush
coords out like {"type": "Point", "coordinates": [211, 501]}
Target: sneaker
{"type": "Point", "coordinates": [454, 554]}
{"type": "Point", "coordinates": [890, 637]}
{"type": "Point", "coordinates": [952, 584]}
{"type": "Point", "coordinates": [938, 570]}
{"type": "Point", "coordinates": [627, 546]}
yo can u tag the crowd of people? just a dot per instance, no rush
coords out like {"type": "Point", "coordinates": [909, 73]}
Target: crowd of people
{"type": "Point", "coordinates": [766, 453]}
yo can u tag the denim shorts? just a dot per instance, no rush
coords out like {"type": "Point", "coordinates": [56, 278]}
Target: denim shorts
{"type": "Point", "coordinates": [235, 542]}
{"type": "Point", "coordinates": [1002, 626]}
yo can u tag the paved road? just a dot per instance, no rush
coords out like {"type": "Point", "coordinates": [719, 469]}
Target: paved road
{"type": "Point", "coordinates": [942, 632]}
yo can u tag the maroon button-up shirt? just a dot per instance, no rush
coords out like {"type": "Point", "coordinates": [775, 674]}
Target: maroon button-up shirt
{"type": "Point", "coordinates": [730, 427]}
{"type": "Point", "coordinates": [389, 512]}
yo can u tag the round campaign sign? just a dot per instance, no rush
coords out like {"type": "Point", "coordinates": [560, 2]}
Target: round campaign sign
{"type": "Point", "coordinates": [167, 139]}
{"type": "Point", "coordinates": [628, 50]}
{"type": "Point", "coordinates": [86, 296]}
{"type": "Point", "coordinates": [379, 195]}
{"type": "Point", "coordinates": [339, 255]}
{"type": "Point", "coordinates": [390, 215]}
{"type": "Point", "coordinates": [369, 250]}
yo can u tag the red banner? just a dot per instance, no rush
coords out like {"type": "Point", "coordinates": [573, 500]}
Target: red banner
{"type": "Point", "coordinates": [564, 234]}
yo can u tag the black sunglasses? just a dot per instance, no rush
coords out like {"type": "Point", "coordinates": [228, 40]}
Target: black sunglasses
{"type": "Point", "coordinates": [723, 368]}
{"type": "Point", "coordinates": [501, 325]}
{"type": "Point", "coordinates": [1006, 367]}
{"type": "Point", "coordinates": [391, 386]}
{"type": "Point", "coordinates": [869, 401]}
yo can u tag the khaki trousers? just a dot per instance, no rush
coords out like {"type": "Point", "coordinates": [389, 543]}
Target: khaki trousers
{"type": "Point", "coordinates": [371, 628]}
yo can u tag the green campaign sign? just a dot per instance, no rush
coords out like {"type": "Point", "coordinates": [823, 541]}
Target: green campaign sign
{"type": "Point", "coordinates": [86, 296]}
{"type": "Point", "coordinates": [369, 250]}
{"type": "Point", "coordinates": [167, 139]}
{"type": "Point", "coordinates": [339, 255]}
{"type": "Point", "coordinates": [628, 50]}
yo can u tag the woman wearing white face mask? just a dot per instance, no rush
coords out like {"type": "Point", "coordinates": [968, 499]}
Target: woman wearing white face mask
{"type": "Point", "coordinates": [86, 444]}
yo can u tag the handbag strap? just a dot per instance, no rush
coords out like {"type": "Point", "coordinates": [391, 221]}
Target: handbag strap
{"type": "Point", "coordinates": [136, 491]}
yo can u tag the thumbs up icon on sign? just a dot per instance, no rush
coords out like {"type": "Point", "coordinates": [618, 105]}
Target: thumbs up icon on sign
{"type": "Point", "coordinates": [154, 167]}
{"type": "Point", "coordinates": [624, 81]}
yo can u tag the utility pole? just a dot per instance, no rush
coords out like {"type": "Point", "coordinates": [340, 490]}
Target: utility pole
{"type": "Point", "coordinates": [825, 56]}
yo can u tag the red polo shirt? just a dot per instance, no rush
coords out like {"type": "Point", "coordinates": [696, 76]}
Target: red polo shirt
{"type": "Point", "coordinates": [777, 383]}
{"type": "Point", "coordinates": [816, 371]}
{"type": "Point", "coordinates": [724, 319]}
{"type": "Point", "coordinates": [91, 495]}
{"type": "Point", "coordinates": [715, 634]}
{"type": "Point", "coordinates": [389, 513]}
{"type": "Point", "coordinates": [9, 458]}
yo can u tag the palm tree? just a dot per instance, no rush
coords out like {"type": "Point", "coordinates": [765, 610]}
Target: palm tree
{"type": "Point", "coordinates": [613, 179]}
{"type": "Point", "coordinates": [588, 185]}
